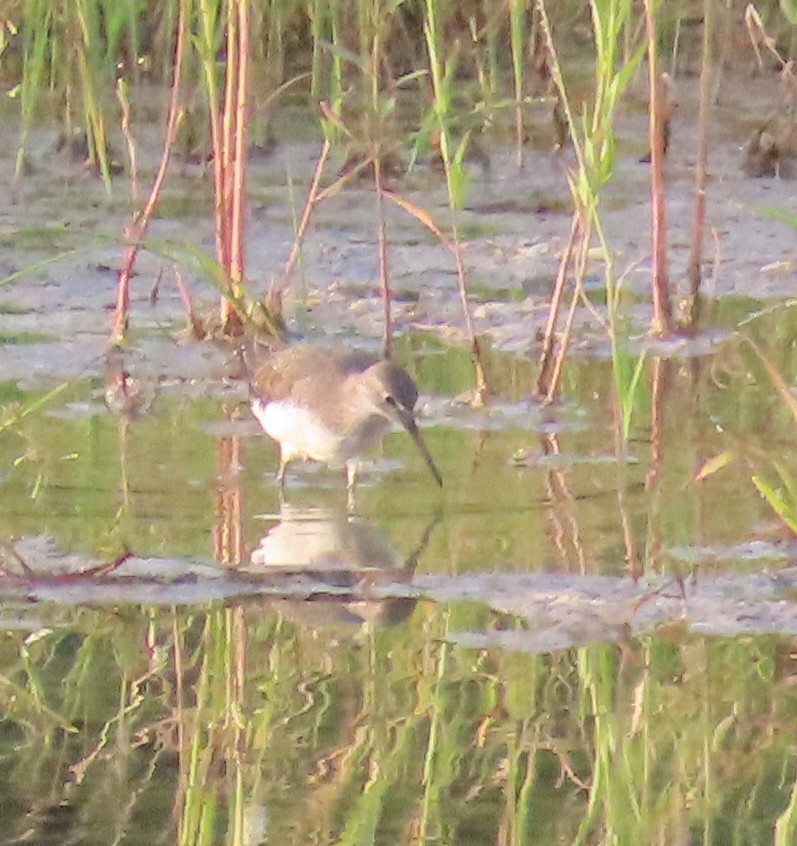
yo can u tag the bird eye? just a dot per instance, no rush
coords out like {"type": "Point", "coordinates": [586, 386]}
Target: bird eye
{"type": "Point", "coordinates": [390, 400]}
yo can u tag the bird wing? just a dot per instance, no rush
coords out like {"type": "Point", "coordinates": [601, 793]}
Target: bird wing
{"type": "Point", "coordinates": [305, 371]}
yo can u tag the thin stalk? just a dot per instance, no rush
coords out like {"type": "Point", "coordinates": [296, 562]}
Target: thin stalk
{"type": "Point", "coordinates": [462, 286]}
{"type": "Point", "coordinates": [35, 49]}
{"type": "Point", "coordinates": [433, 742]}
{"type": "Point", "coordinates": [554, 307]}
{"type": "Point", "coordinates": [384, 277]}
{"type": "Point", "coordinates": [207, 40]}
{"type": "Point", "coordinates": [452, 245]}
{"type": "Point", "coordinates": [662, 308]}
{"type": "Point", "coordinates": [87, 62]}
{"type": "Point", "coordinates": [562, 512]}
{"type": "Point", "coordinates": [318, 33]}
{"type": "Point", "coordinates": [241, 139]}
{"type": "Point", "coordinates": [557, 372]}
{"type": "Point", "coordinates": [454, 172]}
{"type": "Point", "coordinates": [698, 231]}
{"type": "Point", "coordinates": [237, 636]}
{"type": "Point", "coordinates": [726, 41]}
{"type": "Point", "coordinates": [228, 544]}
{"type": "Point", "coordinates": [127, 132]}
{"type": "Point", "coordinates": [227, 146]}
{"type": "Point", "coordinates": [659, 402]}
{"type": "Point", "coordinates": [234, 142]}
{"type": "Point", "coordinates": [381, 226]}
{"type": "Point", "coordinates": [517, 25]}
{"type": "Point", "coordinates": [276, 289]}
{"type": "Point", "coordinates": [592, 137]}
{"type": "Point", "coordinates": [137, 229]}
{"type": "Point", "coordinates": [337, 86]}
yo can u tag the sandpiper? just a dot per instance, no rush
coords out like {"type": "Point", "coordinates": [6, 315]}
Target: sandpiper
{"type": "Point", "coordinates": [331, 406]}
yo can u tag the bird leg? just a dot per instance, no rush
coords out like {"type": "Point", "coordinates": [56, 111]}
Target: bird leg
{"type": "Point", "coordinates": [351, 478]}
{"type": "Point", "coordinates": [281, 472]}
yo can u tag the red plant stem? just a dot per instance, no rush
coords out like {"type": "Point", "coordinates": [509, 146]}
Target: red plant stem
{"type": "Point", "coordinates": [462, 284]}
{"type": "Point", "coordinates": [662, 310]}
{"type": "Point", "coordinates": [276, 288]}
{"type": "Point", "coordinates": [451, 244]}
{"type": "Point", "coordinates": [231, 171]}
{"type": "Point", "coordinates": [694, 271]}
{"type": "Point", "coordinates": [216, 132]}
{"type": "Point", "coordinates": [240, 149]}
{"type": "Point", "coordinates": [136, 231]}
{"type": "Point", "coordinates": [660, 392]}
{"type": "Point", "coordinates": [555, 306]}
{"type": "Point", "coordinates": [228, 544]}
{"type": "Point", "coordinates": [584, 230]}
{"type": "Point", "coordinates": [224, 188]}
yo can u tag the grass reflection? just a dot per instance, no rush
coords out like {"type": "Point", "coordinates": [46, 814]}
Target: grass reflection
{"type": "Point", "coordinates": [234, 725]}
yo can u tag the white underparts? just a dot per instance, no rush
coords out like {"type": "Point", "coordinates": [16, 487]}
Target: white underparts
{"type": "Point", "coordinates": [302, 435]}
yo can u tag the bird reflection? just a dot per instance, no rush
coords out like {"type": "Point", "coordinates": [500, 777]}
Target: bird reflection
{"type": "Point", "coordinates": [349, 557]}
{"type": "Point", "coordinates": [123, 395]}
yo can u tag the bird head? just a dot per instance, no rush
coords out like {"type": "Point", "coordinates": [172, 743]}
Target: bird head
{"type": "Point", "coordinates": [392, 393]}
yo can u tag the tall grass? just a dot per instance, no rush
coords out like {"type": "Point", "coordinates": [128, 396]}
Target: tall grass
{"type": "Point", "coordinates": [355, 54]}
{"type": "Point", "coordinates": [69, 57]}
{"type": "Point", "coordinates": [75, 51]}
{"type": "Point", "coordinates": [593, 141]}
{"type": "Point", "coordinates": [442, 69]}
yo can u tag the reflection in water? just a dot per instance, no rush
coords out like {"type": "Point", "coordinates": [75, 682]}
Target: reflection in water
{"type": "Point", "coordinates": [319, 539]}
{"type": "Point", "coordinates": [180, 703]}
{"type": "Point", "coordinates": [227, 525]}
{"type": "Point", "coordinates": [124, 395]}
{"type": "Point", "coordinates": [340, 552]}
{"type": "Point", "coordinates": [561, 511]}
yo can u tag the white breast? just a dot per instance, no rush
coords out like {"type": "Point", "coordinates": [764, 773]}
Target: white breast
{"type": "Point", "coordinates": [299, 433]}
{"type": "Point", "coordinates": [302, 435]}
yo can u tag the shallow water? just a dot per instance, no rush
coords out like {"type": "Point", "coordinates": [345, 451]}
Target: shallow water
{"type": "Point", "coordinates": [569, 638]}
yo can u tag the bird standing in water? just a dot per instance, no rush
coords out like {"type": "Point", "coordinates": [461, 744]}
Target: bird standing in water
{"type": "Point", "coordinates": [331, 406]}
